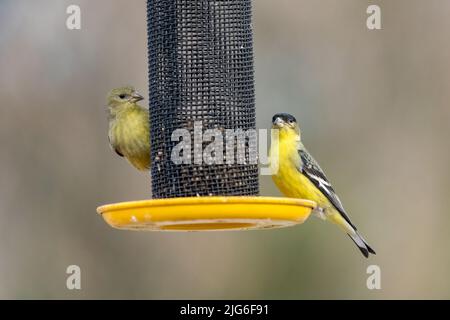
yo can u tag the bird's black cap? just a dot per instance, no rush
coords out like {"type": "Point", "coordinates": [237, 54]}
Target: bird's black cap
{"type": "Point", "coordinates": [286, 117]}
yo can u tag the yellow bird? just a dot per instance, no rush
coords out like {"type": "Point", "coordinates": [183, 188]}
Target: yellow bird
{"type": "Point", "coordinates": [129, 130]}
{"type": "Point", "coordinates": [298, 175]}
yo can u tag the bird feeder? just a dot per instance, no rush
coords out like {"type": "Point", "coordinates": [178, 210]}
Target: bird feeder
{"type": "Point", "coordinates": [201, 71]}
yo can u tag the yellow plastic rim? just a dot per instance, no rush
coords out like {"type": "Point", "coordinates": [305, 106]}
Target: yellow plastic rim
{"type": "Point", "coordinates": [207, 213]}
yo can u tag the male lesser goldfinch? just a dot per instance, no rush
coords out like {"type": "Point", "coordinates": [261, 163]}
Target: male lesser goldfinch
{"type": "Point", "coordinates": [129, 132]}
{"type": "Point", "coordinates": [298, 175]}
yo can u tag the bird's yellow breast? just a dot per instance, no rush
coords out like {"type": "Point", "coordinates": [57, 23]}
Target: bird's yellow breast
{"type": "Point", "coordinates": [129, 134]}
{"type": "Point", "coordinates": [291, 182]}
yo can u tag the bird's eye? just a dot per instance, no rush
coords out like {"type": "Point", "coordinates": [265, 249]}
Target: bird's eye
{"type": "Point", "coordinates": [122, 96]}
{"type": "Point", "coordinates": [291, 121]}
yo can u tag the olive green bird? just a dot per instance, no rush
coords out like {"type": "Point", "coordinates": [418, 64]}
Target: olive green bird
{"type": "Point", "coordinates": [129, 130]}
{"type": "Point", "coordinates": [298, 175]}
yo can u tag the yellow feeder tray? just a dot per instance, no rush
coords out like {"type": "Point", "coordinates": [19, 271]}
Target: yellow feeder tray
{"type": "Point", "coordinates": [207, 213]}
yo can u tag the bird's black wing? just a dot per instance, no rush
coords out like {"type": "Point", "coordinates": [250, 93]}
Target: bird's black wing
{"type": "Point", "coordinates": [311, 169]}
{"type": "Point", "coordinates": [118, 152]}
{"type": "Point", "coordinates": [114, 148]}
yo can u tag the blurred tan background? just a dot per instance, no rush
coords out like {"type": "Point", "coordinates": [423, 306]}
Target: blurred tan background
{"type": "Point", "coordinates": [374, 110]}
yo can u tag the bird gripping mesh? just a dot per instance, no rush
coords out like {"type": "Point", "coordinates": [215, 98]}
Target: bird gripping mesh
{"type": "Point", "coordinates": [200, 69]}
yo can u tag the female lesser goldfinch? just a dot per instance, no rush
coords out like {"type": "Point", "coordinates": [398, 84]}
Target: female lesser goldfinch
{"type": "Point", "coordinates": [129, 130]}
{"type": "Point", "coordinates": [299, 176]}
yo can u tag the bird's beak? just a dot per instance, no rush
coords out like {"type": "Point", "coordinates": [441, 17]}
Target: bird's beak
{"type": "Point", "coordinates": [278, 122]}
{"type": "Point", "coordinates": [137, 97]}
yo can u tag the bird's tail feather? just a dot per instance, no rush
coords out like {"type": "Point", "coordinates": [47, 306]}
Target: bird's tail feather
{"type": "Point", "coordinates": [361, 243]}
{"type": "Point", "coordinates": [352, 233]}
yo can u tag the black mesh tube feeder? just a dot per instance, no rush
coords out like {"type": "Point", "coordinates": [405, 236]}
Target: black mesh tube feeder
{"type": "Point", "coordinates": [201, 72]}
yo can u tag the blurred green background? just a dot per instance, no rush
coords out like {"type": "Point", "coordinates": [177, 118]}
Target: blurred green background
{"type": "Point", "coordinates": [374, 110]}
